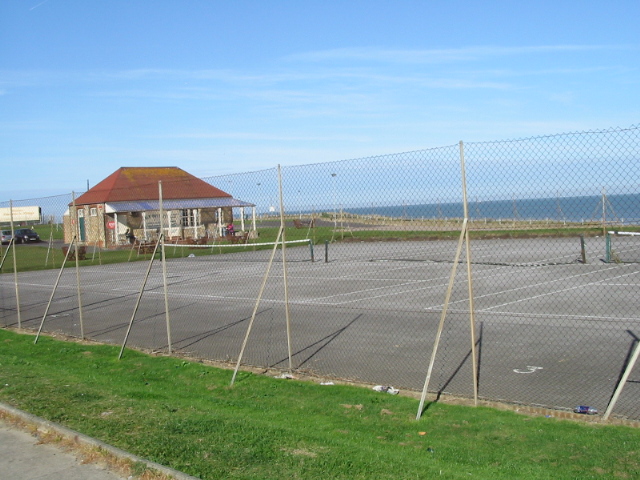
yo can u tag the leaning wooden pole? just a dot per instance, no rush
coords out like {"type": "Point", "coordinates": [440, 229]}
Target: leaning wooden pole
{"type": "Point", "coordinates": [6, 252]}
{"type": "Point", "coordinates": [55, 287]}
{"type": "Point", "coordinates": [443, 315]}
{"type": "Point", "coordinates": [137, 305]}
{"type": "Point", "coordinates": [623, 380]}
{"type": "Point", "coordinates": [464, 236]}
{"type": "Point", "coordinates": [256, 306]}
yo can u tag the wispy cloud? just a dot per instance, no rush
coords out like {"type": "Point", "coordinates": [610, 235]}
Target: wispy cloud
{"type": "Point", "coordinates": [440, 55]}
{"type": "Point", "coordinates": [294, 83]}
{"type": "Point", "coordinates": [255, 136]}
{"type": "Point", "coordinates": [36, 6]}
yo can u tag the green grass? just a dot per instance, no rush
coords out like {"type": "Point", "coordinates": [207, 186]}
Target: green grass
{"type": "Point", "coordinates": [184, 415]}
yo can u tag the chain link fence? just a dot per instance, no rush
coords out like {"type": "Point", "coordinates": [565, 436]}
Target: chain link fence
{"type": "Point", "coordinates": [358, 269]}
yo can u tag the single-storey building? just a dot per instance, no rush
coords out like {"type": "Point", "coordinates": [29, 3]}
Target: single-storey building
{"type": "Point", "coordinates": [129, 202]}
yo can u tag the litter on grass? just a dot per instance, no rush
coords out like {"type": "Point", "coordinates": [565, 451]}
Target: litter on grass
{"type": "Point", "coordinates": [387, 389]}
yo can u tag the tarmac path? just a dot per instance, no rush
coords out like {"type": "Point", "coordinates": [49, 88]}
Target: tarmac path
{"type": "Point", "coordinates": [23, 457]}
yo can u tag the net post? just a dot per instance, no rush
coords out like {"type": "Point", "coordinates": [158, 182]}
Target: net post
{"type": "Point", "coordinates": [607, 248]}
{"type": "Point", "coordinates": [311, 249]}
{"type": "Point", "coordinates": [583, 250]}
{"type": "Point", "coordinates": [326, 251]}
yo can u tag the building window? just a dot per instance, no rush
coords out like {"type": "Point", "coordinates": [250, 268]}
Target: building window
{"type": "Point", "coordinates": [93, 212]}
{"type": "Point", "coordinates": [189, 217]}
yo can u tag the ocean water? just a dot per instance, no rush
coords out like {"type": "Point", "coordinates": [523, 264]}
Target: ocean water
{"type": "Point", "coordinates": [617, 208]}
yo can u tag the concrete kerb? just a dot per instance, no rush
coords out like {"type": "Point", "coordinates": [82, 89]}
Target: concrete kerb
{"type": "Point", "coordinates": [80, 441]}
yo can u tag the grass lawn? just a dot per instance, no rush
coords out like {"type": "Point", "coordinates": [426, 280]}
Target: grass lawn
{"type": "Point", "coordinates": [184, 415]}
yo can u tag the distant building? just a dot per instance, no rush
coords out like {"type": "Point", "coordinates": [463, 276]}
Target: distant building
{"type": "Point", "coordinates": [128, 200]}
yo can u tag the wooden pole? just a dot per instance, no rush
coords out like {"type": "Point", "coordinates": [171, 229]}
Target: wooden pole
{"type": "Point", "coordinates": [442, 318]}
{"type": "Point", "coordinates": [15, 265]}
{"type": "Point", "coordinates": [164, 267]}
{"type": "Point", "coordinates": [464, 236]}
{"type": "Point", "coordinates": [472, 320]}
{"type": "Point", "coordinates": [137, 305]}
{"type": "Point", "coordinates": [623, 380]}
{"type": "Point", "coordinates": [255, 308]}
{"type": "Point", "coordinates": [284, 271]}
{"type": "Point", "coordinates": [55, 287]}
{"type": "Point", "coordinates": [78, 289]}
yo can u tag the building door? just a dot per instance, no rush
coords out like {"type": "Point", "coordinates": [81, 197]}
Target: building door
{"type": "Point", "coordinates": [81, 227]}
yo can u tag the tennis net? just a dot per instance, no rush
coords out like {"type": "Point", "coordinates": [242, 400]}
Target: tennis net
{"type": "Point", "coordinates": [622, 247]}
{"type": "Point", "coordinates": [296, 251]}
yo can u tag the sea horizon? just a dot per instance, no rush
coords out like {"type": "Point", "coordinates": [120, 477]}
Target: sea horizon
{"type": "Point", "coordinates": [623, 209]}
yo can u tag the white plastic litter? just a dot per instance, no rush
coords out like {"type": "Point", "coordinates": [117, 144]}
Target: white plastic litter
{"type": "Point", "coordinates": [327, 383]}
{"type": "Point", "coordinates": [387, 389]}
{"type": "Point", "coordinates": [286, 376]}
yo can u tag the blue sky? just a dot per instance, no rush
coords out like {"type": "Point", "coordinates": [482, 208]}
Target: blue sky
{"type": "Point", "coordinates": [220, 87]}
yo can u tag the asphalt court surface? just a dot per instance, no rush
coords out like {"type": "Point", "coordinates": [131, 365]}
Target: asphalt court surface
{"type": "Point", "coordinates": [552, 330]}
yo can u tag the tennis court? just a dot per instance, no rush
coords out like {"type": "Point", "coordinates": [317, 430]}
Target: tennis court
{"type": "Point", "coordinates": [551, 330]}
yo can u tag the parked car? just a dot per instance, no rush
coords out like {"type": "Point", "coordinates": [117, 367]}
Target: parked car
{"type": "Point", "coordinates": [5, 237]}
{"type": "Point", "coordinates": [26, 235]}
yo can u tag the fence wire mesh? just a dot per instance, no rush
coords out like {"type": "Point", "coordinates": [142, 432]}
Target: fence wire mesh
{"type": "Point", "coordinates": [342, 268]}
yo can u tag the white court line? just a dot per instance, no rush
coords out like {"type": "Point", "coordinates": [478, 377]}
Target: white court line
{"type": "Point", "coordinates": [496, 271]}
{"type": "Point", "coordinates": [508, 269]}
{"type": "Point", "coordinates": [443, 278]}
{"type": "Point", "coordinates": [504, 268]}
{"type": "Point", "coordinates": [546, 315]}
{"type": "Point", "coordinates": [216, 297]}
{"type": "Point", "coordinates": [558, 316]}
{"type": "Point", "coordinates": [47, 286]}
{"type": "Point", "coordinates": [480, 250]}
{"type": "Point", "coordinates": [552, 293]}
{"type": "Point", "coordinates": [385, 287]}
{"type": "Point", "coordinates": [525, 287]}
{"type": "Point", "coordinates": [11, 284]}
{"type": "Point", "coordinates": [358, 292]}
{"type": "Point", "coordinates": [501, 268]}
{"type": "Point", "coordinates": [319, 300]}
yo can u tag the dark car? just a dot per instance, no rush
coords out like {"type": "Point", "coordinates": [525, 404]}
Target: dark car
{"type": "Point", "coordinates": [26, 235]}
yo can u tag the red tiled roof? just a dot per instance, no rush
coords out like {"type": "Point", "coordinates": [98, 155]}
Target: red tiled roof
{"type": "Point", "coordinates": [141, 183]}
